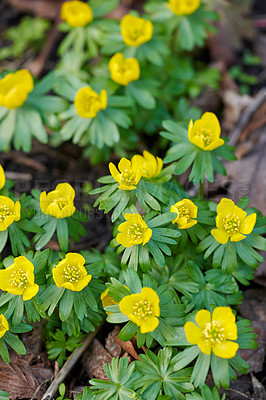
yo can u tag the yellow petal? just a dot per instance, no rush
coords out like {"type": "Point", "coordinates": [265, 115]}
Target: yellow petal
{"type": "Point", "coordinates": [210, 121]}
{"type": "Point", "coordinates": [203, 317]}
{"type": "Point", "coordinates": [82, 283]}
{"type": "Point", "coordinates": [225, 349]}
{"type": "Point", "coordinates": [198, 142]}
{"type": "Point", "coordinates": [190, 223]}
{"type": "Point", "coordinates": [205, 347]}
{"type": "Point", "coordinates": [152, 296]}
{"type": "Point", "coordinates": [248, 224]}
{"type": "Point", "coordinates": [220, 235]}
{"type": "Point", "coordinates": [124, 164]}
{"type": "Point", "coordinates": [147, 235]}
{"type": "Point", "coordinates": [75, 259]}
{"type": "Point", "coordinates": [149, 325]}
{"type": "Point", "coordinates": [236, 237]}
{"type": "Point", "coordinates": [226, 206]}
{"type": "Point", "coordinates": [213, 145]}
{"type": "Point", "coordinates": [2, 177]}
{"type": "Point", "coordinates": [114, 172]}
{"type": "Point", "coordinates": [193, 333]}
{"type": "Point", "coordinates": [53, 210]}
{"type": "Point", "coordinates": [223, 315]}
{"type": "Point", "coordinates": [30, 291]}
{"type": "Point", "coordinates": [126, 305]}
{"type": "Point", "coordinates": [16, 211]}
{"type": "Point", "coordinates": [67, 211]}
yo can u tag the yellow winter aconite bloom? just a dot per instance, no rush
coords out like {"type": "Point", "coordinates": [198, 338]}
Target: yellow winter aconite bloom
{"type": "Point", "coordinates": [186, 212]}
{"type": "Point", "coordinates": [107, 300]}
{"type": "Point", "coordinates": [134, 231]}
{"type": "Point", "coordinates": [2, 177]}
{"type": "Point", "coordinates": [142, 309]}
{"type": "Point", "coordinates": [151, 165]}
{"type": "Point", "coordinates": [18, 278]}
{"type": "Point", "coordinates": [124, 70]}
{"type": "Point", "coordinates": [58, 203]}
{"type": "Point", "coordinates": [71, 274]}
{"type": "Point", "coordinates": [232, 222]}
{"type": "Point", "coordinates": [88, 103]}
{"type": "Point", "coordinates": [76, 13]}
{"type": "Point", "coordinates": [14, 89]}
{"type": "Point", "coordinates": [3, 325]}
{"type": "Point", "coordinates": [130, 172]}
{"type": "Point", "coordinates": [9, 212]}
{"type": "Point", "coordinates": [183, 7]}
{"type": "Point", "coordinates": [205, 132]}
{"type": "Point", "coordinates": [135, 30]}
{"type": "Point", "coordinates": [212, 333]}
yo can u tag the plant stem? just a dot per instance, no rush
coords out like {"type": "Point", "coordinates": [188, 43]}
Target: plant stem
{"type": "Point", "coordinates": [201, 189]}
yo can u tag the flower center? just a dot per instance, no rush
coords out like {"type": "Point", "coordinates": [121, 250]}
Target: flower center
{"type": "Point", "coordinates": [19, 279]}
{"type": "Point", "coordinates": [75, 10]}
{"type": "Point", "coordinates": [206, 135]}
{"type": "Point", "coordinates": [231, 223]}
{"type": "Point", "coordinates": [71, 274]}
{"type": "Point", "coordinates": [61, 203]}
{"type": "Point", "coordinates": [128, 177]}
{"type": "Point", "coordinates": [214, 333]}
{"type": "Point", "coordinates": [143, 309]}
{"type": "Point", "coordinates": [136, 231]}
{"type": "Point", "coordinates": [4, 212]}
{"type": "Point", "coordinates": [184, 213]}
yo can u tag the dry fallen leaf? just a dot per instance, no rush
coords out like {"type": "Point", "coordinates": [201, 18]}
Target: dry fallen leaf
{"type": "Point", "coordinates": [22, 379]}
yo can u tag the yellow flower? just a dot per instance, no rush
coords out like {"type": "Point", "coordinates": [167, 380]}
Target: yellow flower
{"type": "Point", "coordinates": [107, 300]}
{"type": "Point", "coordinates": [186, 210]}
{"type": "Point", "coordinates": [134, 231]}
{"type": "Point", "coordinates": [2, 177]}
{"type": "Point", "coordinates": [14, 89]}
{"type": "Point", "coordinates": [232, 222]}
{"type": "Point", "coordinates": [18, 278]}
{"type": "Point", "coordinates": [71, 274]}
{"type": "Point", "coordinates": [130, 173]}
{"type": "Point", "coordinates": [142, 309]}
{"type": "Point", "coordinates": [76, 13]}
{"type": "Point", "coordinates": [183, 7]}
{"type": "Point", "coordinates": [205, 132]}
{"type": "Point", "coordinates": [124, 70]}
{"type": "Point", "coordinates": [135, 31]}
{"type": "Point", "coordinates": [3, 325]}
{"type": "Point", "coordinates": [88, 103]}
{"type": "Point", "coordinates": [151, 165]}
{"type": "Point", "coordinates": [9, 212]}
{"type": "Point", "coordinates": [212, 333]}
{"type": "Point", "coordinates": [60, 202]}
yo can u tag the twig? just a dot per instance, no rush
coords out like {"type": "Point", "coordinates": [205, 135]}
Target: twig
{"type": "Point", "coordinates": [250, 110]}
{"type": "Point", "coordinates": [67, 367]}
{"type": "Point", "coordinates": [241, 394]}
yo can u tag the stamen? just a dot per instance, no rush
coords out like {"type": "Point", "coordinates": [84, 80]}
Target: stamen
{"type": "Point", "coordinates": [231, 223]}
{"type": "Point", "coordinates": [136, 231]}
{"type": "Point", "coordinates": [71, 274]}
{"type": "Point", "coordinates": [19, 279]}
{"type": "Point", "coordinates": [128, 177]}
{"type": "Point", "coordinates": [143, 309]}
{"type": "Point", "coordinates": [206, 135]}
{"type": "Point", "coordinates": [184, 213]}
{"type": "Point", "coordinates": [4, 212]}
{"type": "Point", "coordinates": [214, 333]}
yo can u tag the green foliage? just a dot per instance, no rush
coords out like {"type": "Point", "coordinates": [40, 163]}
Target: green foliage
{"type": "Point", "coordinates": [58, 346]}
{"type": "Point", "coordinates": [30, 33]}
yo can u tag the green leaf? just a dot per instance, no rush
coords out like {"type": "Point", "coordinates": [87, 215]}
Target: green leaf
{"type": "Point", "coordinates": [128, 331]}
{"type": "Point", "coordinates": [186, 36]}
{"type": "Point", "coordinates": [49, 228]}
{"type": "Point", "coordinates": [3, 239]}
{"type": "Point", "coordinates": [200, 370]}
{"type": "Point", "coordinates": [15, 343]}
{"type": "Point", "coordinates": [62, 234]}
{"type": "Point", "coordinates": [65, 305]}
{"type": "Point", "coordinates": [220, 371]}
{"type": "Point", "coordinates": [4, 352]}
{"type": "Point", "coordinates": [156, 252]}
{"type": "Point", "coordinates": [162, 219]}
{"type": "Point", "coordinates": [7, 129]}
{"type": "Point", "coordinates": [229, 263]}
